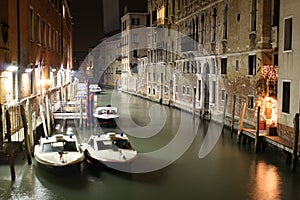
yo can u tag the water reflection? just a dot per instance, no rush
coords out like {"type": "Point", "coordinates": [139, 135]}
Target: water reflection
{"type": "Point", "coordinates": [265, 182]}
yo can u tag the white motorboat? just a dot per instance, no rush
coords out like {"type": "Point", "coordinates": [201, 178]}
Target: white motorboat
{"type": "Point", "coordinates": [106, 116]}
{"type": "Point", "coordinates": [95, 88]}
{"type": "Point", "coordinates": [111, 150]}
{"type": "Point", "coordinates": [58, 151]}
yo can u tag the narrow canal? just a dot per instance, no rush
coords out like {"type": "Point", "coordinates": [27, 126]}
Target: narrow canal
{"type": "Point", "coordinates": [180, 157]}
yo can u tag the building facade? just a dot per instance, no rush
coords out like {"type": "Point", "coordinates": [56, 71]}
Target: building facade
{"type": "Point", "coordinates": [288, 77]}
{"type": "Point", "coordinates": [220, 49]}
{"type": "Point", "coordinates": [35, 48]}
{"type": "Point", "coordinates": [133, 42]}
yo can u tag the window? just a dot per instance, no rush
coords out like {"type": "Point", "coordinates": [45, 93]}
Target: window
{"type": "Point", "coordinates": [49, 35]}
{"type": "Point", "coordinates": [286, 97]}
{"type": "Point", "coordinates": [276, 12]}
{"type": "Point", "coordinates": [44, 33]}
{"type": "Point", "coordinates": [31, 24]}
{"type": "Point", "coordinates": [39, 29]}
{"type": "Point", "coordinates": [213, 92]}
{"type": "Point", "coordinates": [225, 32]}
{"type": "Point", "coordinates": [250, 102]}
{"type": "Point", "coordinates": [183, 90]}
{"type": "Point", "coordinates": [202, 29]}
{"type": "Point", "coordinates": [57, 42]}
{"type": "Point", "coordinates": [214, 25]}
{"type": "Point", "coordinates": [275, 59]}
{"type": "Point", "coordinates": [135, 38]}
{"type": "Point", "coordinates": [223, 95]}
{"type": "Point", "coordinates": [223, 65]}
{"type": "Point", "coordinates": [253, 15]}
{"type": "Point", "coordinates": [188, 91]}
{"type": "Point", "coordinates": [288, 28]}
{"type": "Point", "coordinates": [135, 21]}
{"type": "Point", "coordinates": [135, 68]}
{"type": "Point", "coordinates": [53, 39]}
{"type": "Point", "coordinates": [237, 63]}
{"type": "Point", "coordinates": [135, 53]}
{"type": "Point", "coordinates": [199, 89]}
{"type": "Point", "coordinates": [252, 65]}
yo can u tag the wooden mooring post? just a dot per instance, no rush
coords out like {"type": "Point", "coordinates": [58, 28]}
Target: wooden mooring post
{"type": "Point", "coordinates": [224, 112]}
{"type": "Point", "coordinates": [10, 148]}
{"type": "Point", "coordinates": [27, 148]}
{"type": "Point", "coordinates": [295, 145]}
{"type": "Point", "coordinates": [257, 131]}
{"type": "Point", "coordinates": [240, 132]}
{"type": "Point", "coordinates": [233, 113]}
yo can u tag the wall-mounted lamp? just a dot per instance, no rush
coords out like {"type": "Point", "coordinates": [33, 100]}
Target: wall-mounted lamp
{"type": "Point", "coordinates": [28, 70]}
{"type": "Point", "coordinates": [12, 68]}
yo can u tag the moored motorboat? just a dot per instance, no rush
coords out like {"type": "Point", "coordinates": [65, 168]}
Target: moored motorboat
{"type": "Point", "coordinates": [106, 116]}
{"type": "Point", "coordinates": [58, 151]}
{"type": "Point", "coordinates": [110, 149]}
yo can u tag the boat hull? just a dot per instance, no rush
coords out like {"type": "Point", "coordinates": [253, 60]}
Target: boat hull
{"type": "Point", "coordinates": [113, 165]}
{"type": "Point", "coordinates": [111, 122]}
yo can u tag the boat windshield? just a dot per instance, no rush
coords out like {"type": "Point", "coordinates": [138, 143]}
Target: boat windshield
{"type": "Point", "coordinates": [112, 112]}
{"type": "Point", "coordinates": [122, 144]}
{"type": "Point", "coordinates": [106, 144]}
{"type": "Point", "coordinates": [59, 146]}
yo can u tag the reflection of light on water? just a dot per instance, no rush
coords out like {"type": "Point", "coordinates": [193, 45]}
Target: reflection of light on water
{"type": "Point", "coordinates": [265, 182]}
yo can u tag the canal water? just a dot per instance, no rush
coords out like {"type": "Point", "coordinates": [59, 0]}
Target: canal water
{"type": "Point", "coordinates": [180, 157]}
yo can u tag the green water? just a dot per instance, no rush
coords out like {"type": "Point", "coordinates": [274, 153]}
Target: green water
{"type": "Point", "coordinates": [184, 158]}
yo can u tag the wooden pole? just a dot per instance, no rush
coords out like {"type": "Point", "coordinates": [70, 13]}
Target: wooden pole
{"type": "Point", "coordinates": [194, 102]}
{"type": "Point", "coordinates": [257, 131]}
{"type": "Point", "coordinates": [29, 117]}
{"type": "Point", "coordinates": [295, 146]}
{"type": "Point", "coordinates": [48, 114]}
{"type": "Point", "coordinates": [81, 117]}
{"type": "Point", "coordinates": [10, 147]}
{"type": "Point", "coordinates": [233, 112]}
{"type": "Point", "coordinates": [224, 112]}
{"type": "Point", "coordinates": [23, 116]}
{"type": "Point", "coordinates": [240, 132]}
